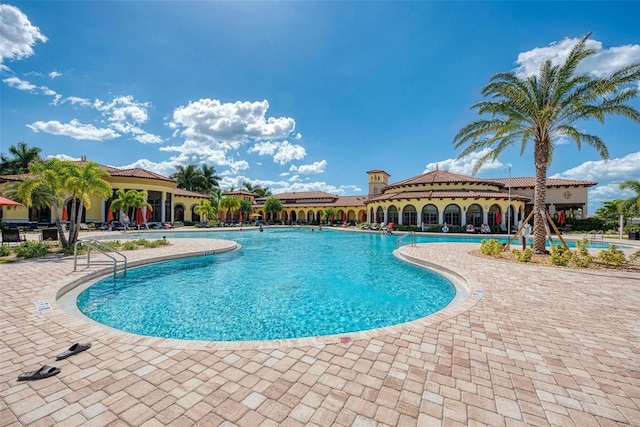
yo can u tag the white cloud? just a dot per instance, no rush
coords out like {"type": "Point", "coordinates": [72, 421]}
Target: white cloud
{"type": "Point", "coordinates": [601, 64]}
{"type": "Point", "coordinates": [17, 35]}
{"type": "Point", "coordinates": [618, 169]}
{"type": "Point", "coordinates": [211, 120]}
{"type": "Point", "coordinates": [74, 129]}
{"type": "Point", "coordinates": [19, 84]}
{"type": "Point", "coordinates": [63, 157]}
{"type": "Point", "coordinates": [54, 74]}
{"type": "Point", "coordinates": [315, 167]}
{"type": "Point", "coordinates": [282, 152]}
{"type": "Point", "coordinates": [74, 100]}
{"type": "Point", "coordinates": [465, 165]}
{"type": "Point", "coordinates": [608, 174]}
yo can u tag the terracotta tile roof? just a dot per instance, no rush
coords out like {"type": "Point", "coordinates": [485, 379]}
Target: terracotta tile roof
{"type": "Point", "coordinates": [438, 194]}
{"type": "Point", "coordinates": [239, 193]}
{"type": "Point", "coordinates": [441, 176]}
{"type": "Point", "coordinates": [378, 171]}
{"type": "Point", "coordinates": [530, 182]}
{"type": "Point", "coordinates": [19, 177]}
{"type": "Point", "coordinates": [337, 201]}
{"type": "Point", "coordinates": [187, 193]}
{"type": "Point", "coordinates": [300, 195]}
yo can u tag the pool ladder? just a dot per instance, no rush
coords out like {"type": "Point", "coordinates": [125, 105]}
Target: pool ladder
{"type": "Point", "coordinates": [411, 234]}
{"type": "Point", "coordinates": [105, 250]}
{"type": "Point", "coordinates": [594, 235]}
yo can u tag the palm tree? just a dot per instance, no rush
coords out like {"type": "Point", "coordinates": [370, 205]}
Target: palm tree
{"type": "Point", "coordinates": [230, 205]}
{"type": "Point", "coordinates": [189, 178]}
{"type": "Point", "coordinates": [126, 200]}
{"type": "Point", "coordinates": [610, 210]}
{"type": "Point", "coordinates": [245, 209]}
{"type": "Point", "coordinates": [632, 205]}
{"type": "Point", "coordinates": [85, 182]}
{"type": "Point", "coordinates": [273, 205]}
{"type": "Point", "coordinates": [328, 213]}
{"type": "Point", "coordinates": [544, 107]}
{"type": "Point", "coordinates": [205, 209]}
{"type": "Point", "coordinates": [51, 175]}
{"type": "Point", "coordinates": [22, 156]}
{"type": "Point", "coordinates": [209, 178]}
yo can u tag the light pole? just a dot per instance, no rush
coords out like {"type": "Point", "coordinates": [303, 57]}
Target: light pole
{"type": "Point", "coordinates": [509, 206]}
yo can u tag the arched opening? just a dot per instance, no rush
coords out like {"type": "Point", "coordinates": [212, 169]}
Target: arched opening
{"type": "Point", "coordinates": [452, 215]}
{"type": "Point", "coordinates": [379, 214]}
{"type": "Point", "coordinates": [474, 215]}
{"type": "Point", "coordinates": [178, 213]}
{"type": "Point", "coordinates": [392, 214]}
{"type": "Point", "coordinates": [79, 209]}
{"type": "Point", "coordinates": [430, 215]}
{"type": "Point", "coordinates": [194, 216]}
{"type": "Point", "coordinates": [409, 215]}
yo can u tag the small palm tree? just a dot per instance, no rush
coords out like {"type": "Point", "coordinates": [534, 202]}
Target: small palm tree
{"type": "Point", "coordinates": [273, 205]}
{"type": "Point", "coordinates": [632, 205]}
{"type": "Point", "coordinates": [329, 213]}
{"type": "Point", "coordinates": [22, 157]}
{"type": "Point", "coordinates": [543, 107]}
{"type": "Point", "coordinates": [85, 182]}
{"type": "Point", "coordinates": [205, 209]}
{"type": "Point", "coordinates": [230, 205]}
{"type": "Point", "coordinates": [245, 209]}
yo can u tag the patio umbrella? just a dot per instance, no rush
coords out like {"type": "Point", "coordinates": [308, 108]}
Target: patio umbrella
{"type": "Point", "coordinates": [109, 215]}
{"type": "Point", "coordinates": [240, 218]}
{"type": "Point", "coordinates": [139, 216]}
{"type": "Point", "coordinates": [498, 217]}
{"type": "Point", "coordinates": [255, 215]}
{"type": "Point", "coordinates": [65, 215]}
{"type": "Point", "coordinates": [8, 202]}
{"type": "Point", "coordinates": [561, 218]}
{"type": "Point", "coordinates": [344, 218]}
{"type": "Point", "coordinates": [149, 215]}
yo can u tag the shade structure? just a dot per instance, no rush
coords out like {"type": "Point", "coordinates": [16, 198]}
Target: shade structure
{"type": "Point", "coordinates": [139, 216]}
{"type": "Point", "coordinates": [109, 215]}
{"type": "Point", "coordinates": [498, 217]}
{"type": "Point", "coordinates": [65, 215]}
{"type": "Point", "coordinates": [255, 215]}
{"type": "Point", "coordinates": [561, 218]}
{"type": "Point", "coordinates": [8, 202]}
{"type": "Point", "coordinates": [148, 215]}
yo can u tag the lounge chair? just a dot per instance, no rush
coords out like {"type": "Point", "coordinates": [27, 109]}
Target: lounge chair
{"type": "Point", "coordinates": [12, 236]}
{"type": "Point", "coordinates": [471, 228]}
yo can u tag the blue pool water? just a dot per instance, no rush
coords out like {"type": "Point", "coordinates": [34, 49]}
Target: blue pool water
{"type": "Point", "coordinates": [283, 283]}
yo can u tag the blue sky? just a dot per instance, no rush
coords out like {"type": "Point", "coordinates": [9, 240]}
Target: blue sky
{"type": "Point", "coordinates": [296, 96]}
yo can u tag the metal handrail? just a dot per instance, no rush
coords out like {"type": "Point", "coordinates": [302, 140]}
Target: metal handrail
{"type": "Point", "coordinates": [411, 234]}
{"type": "Point", "coordinates": [594, 235]}
{"type": "Point", "coordinates": [95, 244]}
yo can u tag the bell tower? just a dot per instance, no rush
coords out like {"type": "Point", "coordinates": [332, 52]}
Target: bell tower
{"type": "Point", "coordinates": [378, 179]}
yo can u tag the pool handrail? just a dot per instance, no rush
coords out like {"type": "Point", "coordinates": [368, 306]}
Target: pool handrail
{"type": "Point", "coordinates": [95, 244]}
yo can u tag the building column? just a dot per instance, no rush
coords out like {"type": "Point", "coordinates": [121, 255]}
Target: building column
{"type": "Point", "coordinates": [163, 198]}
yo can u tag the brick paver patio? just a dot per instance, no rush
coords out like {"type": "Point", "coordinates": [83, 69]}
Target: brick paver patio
{"type": "Point", "coordinates": [539, 346]}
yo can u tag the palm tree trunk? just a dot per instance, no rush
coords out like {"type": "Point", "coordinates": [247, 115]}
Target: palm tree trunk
{"type": "Point", "coordinates": [541, 156]}
{"type": "Point", "coordinates": [61, 236]}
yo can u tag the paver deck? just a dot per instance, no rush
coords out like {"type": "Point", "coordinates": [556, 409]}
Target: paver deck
{"type": "Point", "coordinates": [540, 346]}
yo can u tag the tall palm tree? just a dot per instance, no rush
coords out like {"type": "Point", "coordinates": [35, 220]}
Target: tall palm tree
{"type": "Point", "coordinates": [230, 205]}
{"type": "Point", "coordinates": [632, 205]}
{"type": "Point", "coordinates": [209, 178]}
{"type": "Point", "coordinates": [22, 156]}
{"type": "Point", "coordinates": [610, 210]}
{"type": "Point", "coordinates": [543, 107]}
{"type": "Point", "coordinates": [189, 178]}
{"type": "Point", "coordinates": [273, 205]}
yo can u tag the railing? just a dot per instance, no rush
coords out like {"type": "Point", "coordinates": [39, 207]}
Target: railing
{"type": "Point", "coordinates": [411, 234]}
{"type": "Point", "coordinates": [593, 235]}
{"type": "Point", "coordinates": [104, 249]}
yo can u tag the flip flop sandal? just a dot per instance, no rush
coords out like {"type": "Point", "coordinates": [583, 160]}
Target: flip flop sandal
{"type": "Point", "coordinates": [44, 372]}
{"type": "Point", "coordinates": [74, 349]}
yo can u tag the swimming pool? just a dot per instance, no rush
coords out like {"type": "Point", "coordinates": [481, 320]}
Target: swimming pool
{"type": "Point", "coordinates": [283, 283]}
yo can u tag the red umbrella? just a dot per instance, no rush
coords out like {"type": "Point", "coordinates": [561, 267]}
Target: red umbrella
{"type": "Point", "coordinates": [8, 202]}
{"type": "Point", "coordinates": [377, 217]}
{"type": "Point", "coordinates": [109, 215]}
{"type": "Point", "coordinates": [344, 218]}
{"type": "Point", "coordinates": [364, 217]}
{"type": "Point", "coordinates": [149, 214]}
{"type": "Point", "coordinates": [498, 217]}
{"type": "Point", "coordinates": [241, 217]}
{"type": "Point", "coordinates": [65, 215]}
{"type": "Point", "coordinates": [561, 218]}
{"type": "Point", "coordinates": [139, 216]}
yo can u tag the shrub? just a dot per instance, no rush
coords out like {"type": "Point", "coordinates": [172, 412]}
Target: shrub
{"type": "Point", "coordinates": [582, 258]}
{"type": "Point", "coordinates": [5, 250]}
{"type": "Point", "coordinates": [635, 257]}
{"type": "Point", "coordinates": [130, 245]}
{"type": "Point", "coordinates": [612, 256]}
{"type": "Point", "coordinates": [526, 255]}
{"type": "Point", "coordinates": [490, 247]}
{"type": "Point", "coordinates": [31, 250]}
{"type": "Point", "coordinates": [560, 255]}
